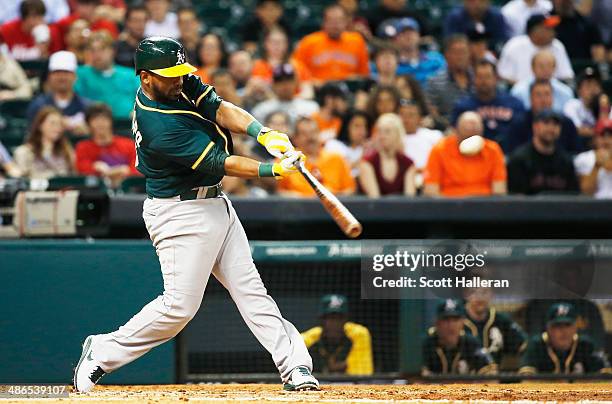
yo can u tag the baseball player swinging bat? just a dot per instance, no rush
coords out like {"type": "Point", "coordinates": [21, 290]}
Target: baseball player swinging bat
{"type": "Point", "coordinates": [341, 215]}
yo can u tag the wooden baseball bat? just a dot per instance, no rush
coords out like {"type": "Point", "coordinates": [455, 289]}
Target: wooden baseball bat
{"type": "Point", "coordinates": [341, 215]}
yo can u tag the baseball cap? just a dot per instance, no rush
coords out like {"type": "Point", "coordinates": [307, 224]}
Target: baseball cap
{"type": "Point", "coordinates": [550, 21]}
{"type": "Point", "coordinates": [63, 61]}
{"type": "Point", "coordinates": [450, 308]}
{"type": "Point", "coordinates": [283, 72]}
{"type": "Point", "coordinates": [334, 303]}
{"type": "Point", "coordinates": [561, 313]}
{"type": "Point", "coordinates": [589, 73]}
{"type": "Point", "coordinates": [392, 27]}
{"type": "Point", "coordinates": [478, 32]}
{"type": "Point", "coordinates": [547, 115]}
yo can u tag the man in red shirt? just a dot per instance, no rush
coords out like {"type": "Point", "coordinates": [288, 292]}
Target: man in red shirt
{"type": "Point", "coordinates": [28, 37]}
{"type": "Point", "coordinates": [86, 10]}
{"type": "Point", "coordinates": [105, 155]}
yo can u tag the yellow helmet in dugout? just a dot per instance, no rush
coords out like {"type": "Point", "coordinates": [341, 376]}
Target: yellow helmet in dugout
{"type": "Point", "coordinates": [163, 56]}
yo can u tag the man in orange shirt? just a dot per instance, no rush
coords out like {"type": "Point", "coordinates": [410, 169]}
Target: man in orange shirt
{"type": "Point", "coordinates": [334, 53]}
{"type": "Point", "coordinates": [329, 168]}
{"type": "Point", "coordinates": [453, 174]}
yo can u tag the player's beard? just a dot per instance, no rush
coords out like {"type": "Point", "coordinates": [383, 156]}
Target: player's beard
{"type": "Point", "coordinates": [171, 94]}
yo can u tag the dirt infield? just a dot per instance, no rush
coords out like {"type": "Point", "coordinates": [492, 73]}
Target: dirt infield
{"type": "Point", "coordinates": [234, 393]}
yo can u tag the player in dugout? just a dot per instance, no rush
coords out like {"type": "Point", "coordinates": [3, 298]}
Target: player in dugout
{"type": "Point", "coordinates": [448, 349]}
{"type": "Point", "coordinates": [498, 334]}
{"type": "Point", "coordinates": [560, 349]}
{"type": "Point", "coordinates": [338, 345]}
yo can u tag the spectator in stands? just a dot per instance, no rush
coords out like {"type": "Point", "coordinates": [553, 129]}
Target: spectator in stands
{"type": "Point", "coordinates": [384, 65]}
{"type": "Point", "coordinates": [55, 10]}
{"type": "Point", "coordinates": [541, 165]}
{"type": "Point", "coordinates": [333, 102]}
{"type": "Point", "coordinates": [448, 350]}
{"type": "Point", "coordinates": [161, 21]}
{"type": "Point", "coordinates": [579, 35]}
{"type": "Point", "coordinates": [357, 22]}
{"type": "Point", "coordinates": [7, 165]}
{"type": "Point", "coordinates": [14, 84]}
{"type": "Point", "coordinates": [383, 100]}
{"type": "Point", "coordinates": [418, 140]}
{"type": "Point", "coordinates": [60, 94]}
{"type": "Point", "coordinates": [353, 139]}
{"type": "Point", "coordinates": [479, 45]}
{"type": "Point", "coordinates": [133, 33]}
{"type": "Point", "coordinates": [329, 168]}
{"type": "Point", "coordinates": [541, 95]}
{"type": "Point", "coordinates": [498, 109]}
{"type": "Point", "coordinates": [516, 56]}
{"type": "Point", "coordinates": [268, 16]}
{"type": "Point", "coordinates": [543, 66]}
{"type": "Point", "coordinates": [584, 110]}
{"type": "Point", "coordinates": [225, 86]}
{"type": "Point", "coordinates": [477, 13]}
{"type": "Point", "coordinates": [190, 28]}
{"type": "Point", "coordinates": [451, 174]}
{"type": "Point", "coordinates": [410, 89]}
{"type": "Point", "coordinates": [284, 87]}
{"type": "Point", "coordinates": [76, 38]}
{"type": "Point", "coordinates": [102, 80]}
{"type": "Point", "coordinates": [28, 37]}
{"type": "Point", "coordinates": [386, 170]}
{"type": "Point", "coordinates": [105, 155]}
{"type": "Point", "coordinates": [594, 167]}
{"type": "Point", "coordinates": [333, 53]}
{"type": "Point", "coordinates": [240, 66]}
{"type": "Point", "coordinates": [453, 83]}
{"type": "Point", "coordinates": [47, 152]}
{"type": "Point", "coordinates": [388, 9]}
{"type": "Point", "coordinates": [338, 345]}
{"type": "Point", "coordinates": [561, 350]}
{"type": "Point", "coordinates": [498, 334]}
{"type": "Point", "coordinates": [517, 12]}
{"type": "Point", "coordinates": [111, 10]}
{"type": "Point", "coordinates": [87, 10]}
{"type": "Point", "coordinates": [601, 14]}
{"type": "Point", "coordinates": [212, 55]}
{"type": "Point", "coordinates": [405, 35]}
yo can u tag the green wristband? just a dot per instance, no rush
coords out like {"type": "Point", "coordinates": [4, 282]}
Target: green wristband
{"type": "Point", "coordinates": [266, 170]}
{"type": "Point", "coordinates": [254, 128]}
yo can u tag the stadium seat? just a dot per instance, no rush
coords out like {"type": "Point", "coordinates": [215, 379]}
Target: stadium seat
{"type": "Point", "coordinates": [13, 123]}
{"type": "Point", "coordinates": [77, 182]}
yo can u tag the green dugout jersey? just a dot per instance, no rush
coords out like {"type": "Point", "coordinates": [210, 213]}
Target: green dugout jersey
{"type": "Point", "coordinates": [179, 145]}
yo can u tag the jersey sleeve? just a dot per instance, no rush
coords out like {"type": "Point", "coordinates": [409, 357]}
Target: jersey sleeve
{"type": "Point", "coordinates": [203, 96]}
{"type": "Point", "coordinates": [515, 339]}
{"type": "Point", "coordinates": [479, 359]}
{"type": "Point", "coordinates": [595, 359]}
{"type": "Point", "coordinates": [191, 148]}
{"type": "Point", "coordinates": [529, 361]}
{"type": "Point", "coordinates": [360, 359]}
{"type": "Point", "coordinates": [312, 336]}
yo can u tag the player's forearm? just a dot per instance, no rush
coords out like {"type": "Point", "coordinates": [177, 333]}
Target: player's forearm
{"type": "Point", "coordinates": [244, 167]}
{"type": "Point", "coordinates": [234, 118]}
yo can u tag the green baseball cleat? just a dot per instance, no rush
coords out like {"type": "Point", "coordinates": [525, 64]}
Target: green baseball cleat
{"type": "Point", "coordinates": [301, 379]}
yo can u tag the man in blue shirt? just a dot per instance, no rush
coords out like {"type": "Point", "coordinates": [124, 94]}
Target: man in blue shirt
{"type": "Point", "coordinates": [104, 81]}
{"type": "Point", "coordinates": [405, 36]}
{"type": "Point", "coordinates": [475, 13]}
{"type": "Point", "coordinates": [498, 109]}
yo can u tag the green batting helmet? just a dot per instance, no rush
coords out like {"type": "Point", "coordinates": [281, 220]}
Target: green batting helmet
{"type": "Point", "coordinates": [163, 56]}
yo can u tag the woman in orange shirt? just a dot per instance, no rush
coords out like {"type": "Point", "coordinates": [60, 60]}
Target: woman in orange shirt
{"type": "Point", "coordinates": [275, 53]}
{"type": "Point", "coordinates": [211, 56]}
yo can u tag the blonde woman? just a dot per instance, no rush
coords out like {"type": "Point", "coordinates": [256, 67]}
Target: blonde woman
{"type": "Point", "coordinates": [47, 152]}
{"type": "Point", "coordinates": [386, 170]}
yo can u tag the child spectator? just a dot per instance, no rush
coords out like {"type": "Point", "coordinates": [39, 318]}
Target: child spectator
{"type": "Point", "coordinates": [452, 174]}
{"type": "Point", "coordinates": [541, 165]}
{"type": "Point", "coordinates": [105, 155]}
{"type": "Point", "coordinates": [386, 170]}
{"type": "Point", "coordinates": [329, 168]}
{"type": "Point", "coordinates": [47, 152]}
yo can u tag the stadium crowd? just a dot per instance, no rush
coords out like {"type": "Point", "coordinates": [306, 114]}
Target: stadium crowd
{"type": "Point", "coordinates": [379, 101]}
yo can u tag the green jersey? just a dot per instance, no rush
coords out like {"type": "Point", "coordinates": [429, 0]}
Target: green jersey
{"type": "Point", "coordinates": [581, 357]}
{"type": "Point", "coordinates": [497, 333]}
{"type": "Point", "coordinates": [179, 145]}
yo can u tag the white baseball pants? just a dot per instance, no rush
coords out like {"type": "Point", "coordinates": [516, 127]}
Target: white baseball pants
{"type": "Point", "coordinates": [193, 239]}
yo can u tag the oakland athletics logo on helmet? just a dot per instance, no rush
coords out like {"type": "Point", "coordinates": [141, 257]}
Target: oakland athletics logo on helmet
{"type": "Point", "coordinates": [163, 56]}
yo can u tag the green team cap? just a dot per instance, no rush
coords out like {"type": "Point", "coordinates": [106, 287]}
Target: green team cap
{"type": "Point", "coordinates": [561, 313]}
{"type": "Point", "coordinates": [450, 308]}
{"type": "Point", "coordinates": [163, 56]}
{"type": "Point", "coordinates": [334, 304]}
